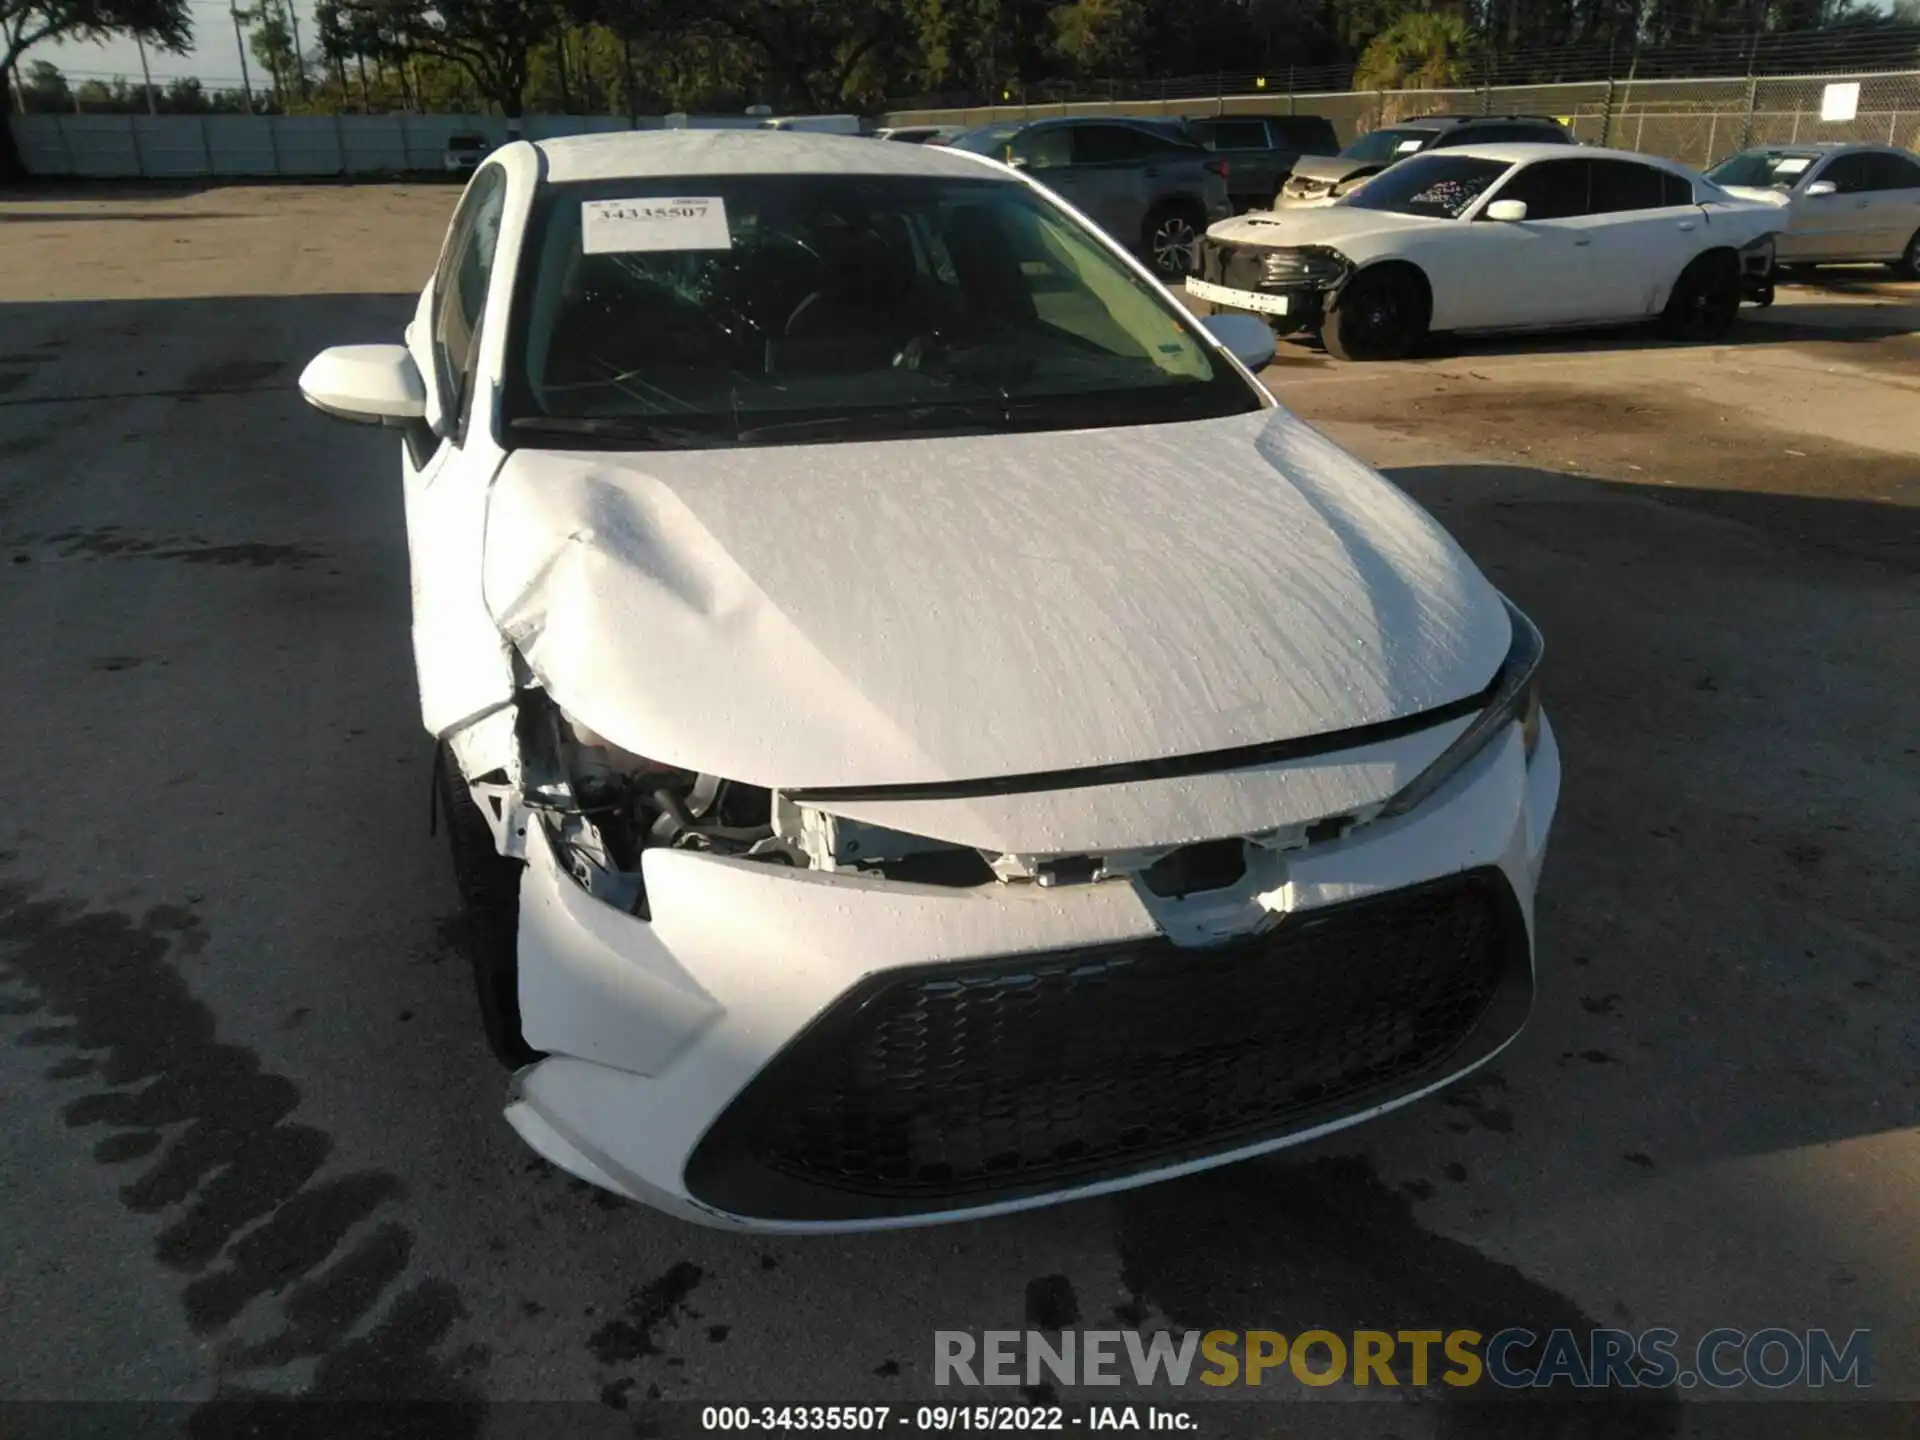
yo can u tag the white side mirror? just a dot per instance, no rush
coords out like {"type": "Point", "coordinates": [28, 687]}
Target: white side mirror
{"type": "Point", "coordinates": [371, 384]}
{"type": "Point", "coordinates": [1819, 188]}
{"type": "Point", "coordinates": [1248, 340]}
{"type": "Point", "coordinates": [1507, 210]}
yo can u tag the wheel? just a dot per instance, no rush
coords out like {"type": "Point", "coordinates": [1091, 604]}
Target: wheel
{"type": "Point", "coordinates": [1380, 315]}
{"type": "Point", "coordinates": [1763, 296]}
{"type": "Point", "coordinates": [1705, 299]}
{"type": "Point", "coordinates": [1907, 267]}
{"type": "Point", "coordinates": [1171, 231]}
{"type": "Point", "coordinates": [489, 913]}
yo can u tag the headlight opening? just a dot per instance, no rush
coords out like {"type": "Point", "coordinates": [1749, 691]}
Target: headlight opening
{"type": "Point", "coordinates": [1514, 698]}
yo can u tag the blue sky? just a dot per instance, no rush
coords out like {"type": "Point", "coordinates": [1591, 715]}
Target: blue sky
{"type": "Point", "coordinates": [214, 58]}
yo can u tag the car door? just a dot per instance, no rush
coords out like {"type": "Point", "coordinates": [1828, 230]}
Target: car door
{"type": "Point", "coordinates": [447, 467]}
{"type": "Point", "coordinates": [1046, 153]}
{"type": "Point", "coordinates": [1836, 226]}
{"type": "Point", "coordinates": [1535, 271]}
{"type": "Point", "coordinates": [1643, 228]}
{"type": "Point", "coordinates": [1896, 203]}
{"type": "Point", "coordinates": [1110, 166]}
{"type": "Point", "coordinates": [1254, 170]}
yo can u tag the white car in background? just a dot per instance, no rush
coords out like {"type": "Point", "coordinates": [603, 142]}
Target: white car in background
{"type": "Point", "coordinates": [923, 732]}
{"type": "Point", "coordinates": [1845, 204]}
{"type": "Point", "coordinates": [1496, 237]}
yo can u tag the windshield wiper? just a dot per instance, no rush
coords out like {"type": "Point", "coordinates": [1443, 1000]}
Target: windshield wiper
{"type": "Point", "coordinates": [647, 433]}
{"type": "Point", "coordinates": [905, 420]}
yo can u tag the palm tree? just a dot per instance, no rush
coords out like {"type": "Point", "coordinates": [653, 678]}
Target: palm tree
{"type": "Point", "coordinates": [1422, 50]}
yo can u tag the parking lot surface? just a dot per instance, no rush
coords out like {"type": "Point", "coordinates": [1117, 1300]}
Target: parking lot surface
{"type": "Point", "coordinates": [250, 1140]}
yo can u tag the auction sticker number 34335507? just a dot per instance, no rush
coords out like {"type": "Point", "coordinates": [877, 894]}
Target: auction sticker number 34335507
{"type": "Point", "coordinates": [615, 227]}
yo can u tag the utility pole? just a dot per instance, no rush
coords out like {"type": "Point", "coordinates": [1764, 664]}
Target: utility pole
{"type": "Point", "coordinates": [145, 73]}
{"type": "Point", "coordinates": [299, 56]}
{"type": "Point", "coordinates": [240, 39]}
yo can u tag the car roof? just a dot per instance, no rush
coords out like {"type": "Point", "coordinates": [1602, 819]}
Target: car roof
{"type": "Point", "coordinates": [1473, 120]}
{"type": "Point", "coordinates": [1813, 147]}
{"type": "Point", "coordinates": [1517, 152]}
{"type": "Point", "coordinates": [1054, 122]}
{"type": "Point", "coordinates": [657, 154]}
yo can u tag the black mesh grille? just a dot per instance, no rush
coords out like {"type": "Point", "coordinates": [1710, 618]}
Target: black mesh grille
{"type": "Point", "coordinates": [1239, 267]}
{"type": "Point", "coordinates": [960, 1084]}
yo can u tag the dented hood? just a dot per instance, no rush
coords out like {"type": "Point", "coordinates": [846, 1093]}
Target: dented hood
{"type": "Point", "coordinates": [1332, 225]}
{"type": "Point", "coordinates": [917, 611]}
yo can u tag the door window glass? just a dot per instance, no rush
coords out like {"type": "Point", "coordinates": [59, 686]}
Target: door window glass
{"type": "Point", "coordinates": [1622, 185]}
{"type": "Point", "coordinates": [1552, 189]}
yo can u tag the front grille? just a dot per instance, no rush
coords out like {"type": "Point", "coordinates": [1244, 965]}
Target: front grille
{"type": "Point", "coordinates": [1238, 267]}
{"type": "Point", "coordinates": [959, 1084]}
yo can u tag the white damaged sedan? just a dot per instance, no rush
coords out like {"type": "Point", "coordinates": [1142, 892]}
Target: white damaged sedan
{"type": "Point", "coordinates": [923, 732]}
{"type": "Point", "coordinates": [1500, 237]}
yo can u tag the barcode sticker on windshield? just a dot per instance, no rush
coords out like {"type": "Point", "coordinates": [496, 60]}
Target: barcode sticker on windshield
{"type": "Point", "coordinates": [615, 227]}
{"type": "Point", "coordinates": [1792, 165]}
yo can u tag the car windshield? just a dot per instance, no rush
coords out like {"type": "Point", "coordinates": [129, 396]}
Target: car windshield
{"type": "Point", "coordinates": [987, 140]}
{"type": "Point", "coordinates": [1439, 186]}
{"type": "Point", "coordinates": [1764, 169]}
{"type": "Point", "coordinates": [1386, 144]}
{"type": "Point", "coordinates": [769, 309]}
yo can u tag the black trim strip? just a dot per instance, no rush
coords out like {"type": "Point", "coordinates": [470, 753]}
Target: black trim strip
{"type": "Point", "coordinates": [1240, 757]}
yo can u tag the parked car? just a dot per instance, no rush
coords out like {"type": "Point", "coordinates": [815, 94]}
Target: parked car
{"type": "Point", "coordinates": [1147, 185]}
{"type": "Point", "coordinates": [464, 152]}
{"type": "Point", "coordinates": [1497, 237]}
{"type": "Point", "coordinates": [1844, 203]}
{"type": "Point", "coordinates": [1321, 181]}
{"type": "Point", "coordinates": [817, 124]}
{"type": "Point", "coordinates": [923, 733]}
{"type": "Point", "coordinates": [1261, 151]}
{"type": "Point", "coordinates": [918, 134]}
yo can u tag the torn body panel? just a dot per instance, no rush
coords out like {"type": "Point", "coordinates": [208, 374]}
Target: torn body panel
{"type": "Point", "coordinates": [749, 956]}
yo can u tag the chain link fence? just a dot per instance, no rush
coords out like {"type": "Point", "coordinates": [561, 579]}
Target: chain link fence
{"type": "Point", "coordinates": [1696, 122]}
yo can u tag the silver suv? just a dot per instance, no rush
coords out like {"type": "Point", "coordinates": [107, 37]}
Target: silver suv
{"type": "Point", "coordinates": [1149, 187]}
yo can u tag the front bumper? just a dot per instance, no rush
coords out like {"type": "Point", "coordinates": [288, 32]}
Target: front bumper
{"type": "Point", "coordinates": [785, 1050]}
{"type": "Point", "coordinates": [1234, 276]}
{"type": "Point", "coordinates": [1757, 270]}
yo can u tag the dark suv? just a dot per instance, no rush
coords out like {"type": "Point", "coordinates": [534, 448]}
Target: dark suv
{"type": "Point", "coordinates": [1321, 181]}
{"type": "Point", "coordinates": [1147, 185]}
{"type": "Point", "coordinates": [1261, 150]}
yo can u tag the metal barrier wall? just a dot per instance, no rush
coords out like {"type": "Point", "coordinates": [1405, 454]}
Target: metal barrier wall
{"type": "Point", "coordinates": [1693, 121]}
{"type": "Point", "coordinates": [165, 147]}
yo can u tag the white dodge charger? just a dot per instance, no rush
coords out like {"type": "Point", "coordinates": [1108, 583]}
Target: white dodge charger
{"type": "Point", "coordinates": [922, 731]}
{"type": "Point", "coordinates": [1497, 237]}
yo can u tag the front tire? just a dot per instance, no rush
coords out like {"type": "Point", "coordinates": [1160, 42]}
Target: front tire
{"type": "Point", "coordinates": [1380, 315]}
{"type": "Point", "coordinates": [489, 913]}
{"type": "Point", "coordinates": [1907, 267]}
{"type": "Point", "coordinates": [1171, 232]}
{"type": "Point", "coordinates": [1705, 299]}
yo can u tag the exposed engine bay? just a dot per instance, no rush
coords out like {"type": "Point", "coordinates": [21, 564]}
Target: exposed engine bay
{"type": "Point", "coordinates": [603, 807]}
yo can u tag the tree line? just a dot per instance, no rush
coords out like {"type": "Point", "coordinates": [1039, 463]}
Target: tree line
{"type": "Point", "coordinates": [656, 56]}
